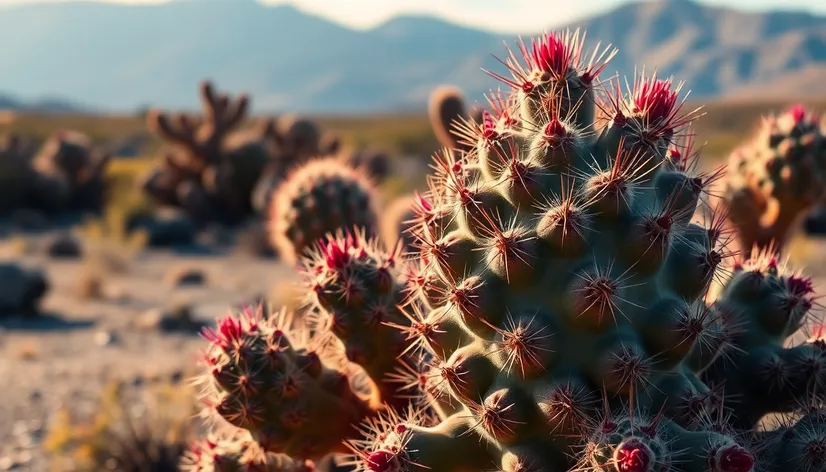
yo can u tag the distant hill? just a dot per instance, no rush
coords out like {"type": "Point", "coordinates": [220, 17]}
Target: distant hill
{"type": "Point", "coordinates": [117, 57]}
{"type": "Point", "coordinates": [50, 105]}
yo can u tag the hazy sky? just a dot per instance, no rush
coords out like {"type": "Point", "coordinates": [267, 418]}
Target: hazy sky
{"type": "Point", "coordinates": [503, 15]}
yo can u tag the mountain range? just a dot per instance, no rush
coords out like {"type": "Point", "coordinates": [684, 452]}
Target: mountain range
{"type": "Point", "coordinates": [116, 57]}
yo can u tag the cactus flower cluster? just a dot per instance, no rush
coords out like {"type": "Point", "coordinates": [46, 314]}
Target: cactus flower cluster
{"type": "Point", "coordinates": [566, 308]}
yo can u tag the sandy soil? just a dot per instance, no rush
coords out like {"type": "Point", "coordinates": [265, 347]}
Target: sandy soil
{"type": "Point", "coordinates": [65, 356]}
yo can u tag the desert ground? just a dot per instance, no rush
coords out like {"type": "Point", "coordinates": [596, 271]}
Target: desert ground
{"type": "Point", "coordinates": [110, 311]}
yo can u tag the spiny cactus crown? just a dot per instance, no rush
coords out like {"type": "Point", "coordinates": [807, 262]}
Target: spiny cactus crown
{"type": "Point", "coordinates": [559, 314]}
{"type": "Point", "coordinates": [321, 197]}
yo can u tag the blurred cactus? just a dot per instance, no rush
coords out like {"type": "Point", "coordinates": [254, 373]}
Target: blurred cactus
{"type": "Point", "coordinates": [213, 174]}
{"type": "Point", "coordinates": [70, 158]}
{"type": "Point", "coordinates": [16, 175]}
{"type": "Point", "coordinates": [299, 140]}
{"type": "Point", "coordinates": [319, 198]}
{"type": "Point", "coordinates": [295, 141]}
{"type": "Point", "coordinates": [447, 109]}
{"type": "Point", "coordinates": [66, 175]}
{"type": "Point", "coordinates": [564, 301]}
{"type": "Point", "coordinates": [775, 179]}
{"type": "Point", "coordinates": [375, 163]}
{"type": "Point", "coordinates": [398, 221]}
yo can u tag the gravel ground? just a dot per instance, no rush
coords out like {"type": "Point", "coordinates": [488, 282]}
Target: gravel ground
{"type": "Point", "coordinates": [64, 357]}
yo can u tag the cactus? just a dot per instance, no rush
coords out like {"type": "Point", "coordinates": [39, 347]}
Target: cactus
{"type": "Point", "coordinates": [373, 162]}
{"type": "Point", "coordinates": [16, 175]}
{"type": "Point", "coordinates": [397, 222]}
{"type": "Point", "coordinates": [321, 197]}
{"type": "Point", "coordinates": [447, 110]}
{"type": "Point", "coordinates": [232, 454]}
{"type": "Point", "coordinates": [214, 172]}
{"type": "Point", "coordinates": [775, 179]}
{"type": "Point", "coordinates": [66, 175]}
{"type": "Point", "coordinates": [564, 300]}
{"type": "Point", "coordinates": [302, 386]}
{"type": "Point", "coordinates": [69, 157]}
{"type": "Point", "coordinates": [295, 141]}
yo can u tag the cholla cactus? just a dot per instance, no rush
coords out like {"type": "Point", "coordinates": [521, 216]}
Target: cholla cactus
{"type": "Point", "coordinates": [214, 176]}
{"type": "Point", "coordinates": [374, 162]}
{"type": "Point", "coordinates": [67, 175]}
{"type": "Point", "coordinates": [70, 159]}
{"type": "Point", "coordinates": [776, 178]}
{"type": "Point", "coordinates": [321, 197]}
{"type": "Point", "coordinates": [560, 300]}
{"type": "Point", "coordinates": [16, 175]}
{"type": "Point", "coordinates": [297, 141]}
{"type": "Point", "coordinates": [447, 109]}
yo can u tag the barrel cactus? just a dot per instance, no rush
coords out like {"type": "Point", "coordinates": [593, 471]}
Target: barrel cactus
{"type": "Point", "coordinates": [776, 178]}
{"type": "Point", "coordinates": [564, 301]}
{"type": "Point", "coordinates": [319, 198]}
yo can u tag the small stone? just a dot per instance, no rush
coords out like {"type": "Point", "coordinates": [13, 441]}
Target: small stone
{"type": "Point", "coordinates": [105, 338]}
{"type": "Point", "coordinates": [20, 428]}
{"type": "Point", "coordinates": [149, 319]}
{"type": "Point", "coordinates": [179, 277]}
{"type": "Point", "coordinates": [64, 246]}
{"type": "Point", "coordinates": [176, 377]}
{"type": "Point", "coordinates": [7, 463]}
{"type": "Point", "coordinates": [35, 395]}
{"type": "Point", "coordinates": [24, 457]}
{"type": "Point", "coordinates": [25, 441]}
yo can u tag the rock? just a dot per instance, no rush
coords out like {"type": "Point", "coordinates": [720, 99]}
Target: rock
{"type": "Point", "coordinates": [179, 276]}
{"type": "Point", "coordinates": [106, 338]}
{"type": "Point", "coordinates": [20, 290]}
{"type": "Point", "coordinates": [64, 246]}
{"type": "Point", "coordinates": [7, 463]}
{"type": "Point", "coordinates": [815, 223]}
{"type": "Point", "coordinates": [165, 227]}
{"type": "Point", "coordinates": [176, 318]}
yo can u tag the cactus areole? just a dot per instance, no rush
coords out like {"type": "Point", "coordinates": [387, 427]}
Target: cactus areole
{"type": "Point", "coordinates": [566, 309]}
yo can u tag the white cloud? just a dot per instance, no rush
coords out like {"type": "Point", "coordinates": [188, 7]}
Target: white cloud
{"type": "Point", "coordinates": [512, 15]}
